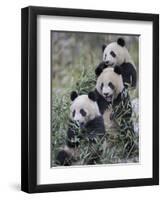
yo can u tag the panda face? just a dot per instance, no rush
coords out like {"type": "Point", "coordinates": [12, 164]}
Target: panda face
{"type": "Point", "coordinates": [114, 54]}
{"type": "Point", "coordinates": [109, 84]}
{"type": "Point", "coordinates": [107, 90]}
{"type": "Point", "coordinates": [83, 109]}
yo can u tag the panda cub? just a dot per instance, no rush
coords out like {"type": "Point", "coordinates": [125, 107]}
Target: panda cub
{"type": "Point", "coordinates": [112, 95]}
{"type": "Point", "coordinates": [116, 54]}
{"type": "Point", "coordinates": [86, 121]}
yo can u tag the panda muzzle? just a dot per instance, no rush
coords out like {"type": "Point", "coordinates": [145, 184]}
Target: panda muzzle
{"type": "Point", "coordinates": [108, 63]}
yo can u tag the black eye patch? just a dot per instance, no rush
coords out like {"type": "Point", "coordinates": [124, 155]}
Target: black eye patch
{"type": "Point", "coordinates": [102, 85]}
{"type": "Point", "coordinates": [113, 54]}
{"type": "Point", "coordinates": [73, 113]}
{"type": "Point", "coordinates": [111, 85]}
{"type": "Point", "coordinates": [82, 112]}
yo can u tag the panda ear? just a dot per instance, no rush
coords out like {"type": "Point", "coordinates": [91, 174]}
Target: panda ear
{"type": "Point", "coordinates": [103, 47]}
{"type": "Point", "coordinates": [73, 95]}
{"type": "Point", "coordinates": [117, 70]}
{"type": "Point", "coordinates": [92, 96]}
{"type": "Point", "coordinates": [121, 42]}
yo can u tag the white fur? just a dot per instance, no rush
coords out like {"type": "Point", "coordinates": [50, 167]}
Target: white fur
{"type": "Point", "coordinates": [107, 90]}
{"type": "Point", "coordinates": [122, 54]}
{"type": "Point", "coordinates": [108, 75]}
{"type": "Point", "coordinates": [83, 102]}
{"type": "Point", "coordinates": [107, 121]}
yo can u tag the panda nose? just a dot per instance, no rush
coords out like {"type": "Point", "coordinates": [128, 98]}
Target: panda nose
{"type": "Point", "coordinates": [107, 62]}
{"type": "Point", "coordinates": [106, 94]}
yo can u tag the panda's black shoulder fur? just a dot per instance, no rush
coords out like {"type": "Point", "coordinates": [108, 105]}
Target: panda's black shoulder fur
{"type": "Point", "coordinates": [128, 71]}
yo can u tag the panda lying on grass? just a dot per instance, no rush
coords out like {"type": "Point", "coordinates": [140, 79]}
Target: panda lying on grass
{"type": "Point", "coordinates": [86, 123]}
{"type": "Point", "coordinates": [115, 54]}
{"type": "Point", "coordinates": [112, 95]}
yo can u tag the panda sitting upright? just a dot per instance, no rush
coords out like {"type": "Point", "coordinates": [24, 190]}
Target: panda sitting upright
{"type": "Point", "coordinates": [112, 95]}
{"type": "Point", "coordinates": [86, 121]}
{"type": "Point", "coordinates": [116, 54]}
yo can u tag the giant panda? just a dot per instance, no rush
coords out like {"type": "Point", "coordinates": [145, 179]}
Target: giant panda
{"type": "Point", "coordinates": [113, 100]}
{"type": "Point", "coordinates": [116, 54]}
{"type": "Point", "coordinates": [86, 122]}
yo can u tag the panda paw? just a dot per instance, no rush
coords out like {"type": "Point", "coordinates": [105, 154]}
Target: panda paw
{"type": "Point", "coordinates": [100, 68]}
{"type": "Point", "coordinates": [117, 69]}
{"type": "Point", "coordinates": [63, 158]}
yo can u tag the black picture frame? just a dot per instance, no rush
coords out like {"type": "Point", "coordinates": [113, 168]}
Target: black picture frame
{"type": "Point", "coordinates": [29, 98]}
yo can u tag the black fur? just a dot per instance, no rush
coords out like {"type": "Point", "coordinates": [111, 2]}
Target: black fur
{"type": "Point", "coordinates": [73, 95]}
{"type": "Point", "coordinates": [103, 47]}
{"type": "Point", "coordinates": [99, 69]}
{"type": "Point", "coordinates": [95, 128]}
{"type": "Point", "coordinates": [113, 54]}
{"type": "Point", "coordinates": [63, 158]}
{"type": "Point", "coordinates": [121, 42]}
{"type": "Point", "coordinates": [128, 74]}
{"type": "Point", "coordinates": [111, 85]}
{"type": "Point", "coordinates": [92, 96]}
{"type": "Point", "coordinates": [73, 113]}
{"type": "Point", "coordinates": [83, 112]}
{"type": "Point", "coordinates": [117, 70]}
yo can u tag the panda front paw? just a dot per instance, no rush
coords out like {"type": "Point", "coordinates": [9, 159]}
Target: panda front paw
{"type": "Point", "coordinates": [117, 69]}
{"type": "Point", "coordinates": [99, 69]}
{"type": "Point", "coordinates": [63, 158]}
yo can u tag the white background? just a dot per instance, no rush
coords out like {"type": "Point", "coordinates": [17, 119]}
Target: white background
{"type": "Point", "coordinates": [10, 41]}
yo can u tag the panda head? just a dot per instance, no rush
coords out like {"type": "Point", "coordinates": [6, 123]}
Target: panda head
{"type": "Point", "coordinates": [115, 53]}
{"type": "Point", "coordinates": [109, 84]}
{"type": "Point", "coordinates": [83, 108]}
